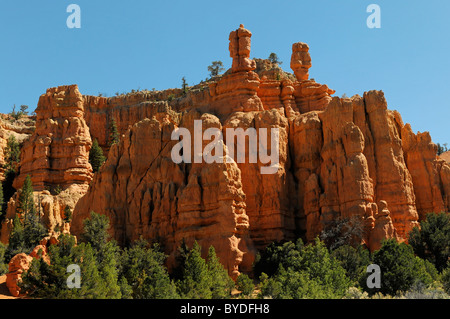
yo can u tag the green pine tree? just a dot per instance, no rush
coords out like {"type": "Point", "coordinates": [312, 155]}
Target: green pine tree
{"type": "Point", "coordinates": [400, 269]}
{"type": "Point", "coordinates": [105, 250]}
{"type": "Point", "coordinates": [12, 155]}
{"type": "Point", "coordinates": [96, 157]}
{"type": "Point", "coordinates": [67, 214]}
{"type": "Point", "coordinates": [3, 264]}
{"type": "Point", "coordinates": [144, 271]}
{"type": "Point", "coordinates": [184, 85]}
{"type": "Point", "coordinates": [28, 229]}
{"type": "Point", "coordinates": [215, 68]}
{"type": "Point", "coordinates": [16, 242]}
{"type": "Point", "coordinates": [245, 285]}
{"type": "Point", "coordinates": [113, 133]}
{"type": "Point", "coordinates": [49, 281]}
{"type": "Point", "coordinates": [196, 282]}
{"type": "Point", "coordinates": [221, 283]}
{"type": "Point", "coordinates": [432, 240]}
{"type": "Point", "coordinates": [2, 199]}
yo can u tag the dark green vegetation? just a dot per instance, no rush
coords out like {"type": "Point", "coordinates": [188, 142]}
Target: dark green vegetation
{"type": "Point", "coordinates": [215, 68]}
{"type": "Point", "coordinates": [12, 158]}
{"type": "Point", "coordinates": [441, 148]}
{"type": "Point", "coordinates": [114, 136]}
{"type": "Point", "coordinates": [109, 271]}
{"type": "Point", "coordinates": [273, 57]}
{"type": "Point", "coordinates": [96, 157]}
{"type": "Point", "coordinates": [27, 229]}
{"type": "Point", "coordinates": [18, 114]}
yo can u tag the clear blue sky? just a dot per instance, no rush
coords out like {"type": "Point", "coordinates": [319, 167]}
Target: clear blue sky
{"type": "Point", "coordinates": [124, 45]}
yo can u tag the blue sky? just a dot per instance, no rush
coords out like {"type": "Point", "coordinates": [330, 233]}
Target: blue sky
{"type": "Point", "coordinates": [125, 45]}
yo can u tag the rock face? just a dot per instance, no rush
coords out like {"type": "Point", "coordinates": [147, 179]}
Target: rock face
{"type": "Point", "coordinates": [21, 129]}
{"type": "Point", "coordinates": [237, 90]}
{"type": "Point", "coordinates": [445, 156]}
{"type": "Point", "coordinates": [58, 151]}
{"type": "Point", "coordinates": [17, 266]}
{"type": "Point", "coordinates": [337, 158]}
{"type": "Point", "coordinates": [144, 192]}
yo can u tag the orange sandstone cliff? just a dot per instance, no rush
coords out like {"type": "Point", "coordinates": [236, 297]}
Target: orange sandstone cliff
{"type": "Point", "coordinates": [338, 158]}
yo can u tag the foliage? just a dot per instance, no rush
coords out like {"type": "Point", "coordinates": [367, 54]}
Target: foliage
{"type": "Point", "coordinates": [400, 268]}
{"type": "Point", "coordinates": [97, 257]}
{"type": "Point", "coordinates": [277, 254]}
{"type": "Point", "coordinates": [2, 199]}
{"type": "Point", "coordinates": [273, 57]}
{"type": "Point", "coordinates": [11, 158]}
{"type": "Point", "coordinates": [432, 240]}
{"type": "Point", "coordinates": [44, 280]}
{"type": "Point", "coordinates": [221, 283]}
{"type": "Point", "coordinates": [3, 262]}
{"type": "Point", "coordinates": [304, 272]}
{"type": "Point", "coordinates": [196, 281]}
{"type": "Point", "coordinates": [184, 85]}
{"type": "Point", "coordinates": [17, 115]}
{"type": "Point", "coordinates": [96, 157]}
{"type": "Point", "coordinates": [441, 148]}
{"type": "Point", "coordinates": [203, 279]}
{"type": "Point", "coordinates": [446, 279]}
{"type": "Point", "coordinates": [144, 273]}
{"type": "Point", "coordinates": [343, 231]}
{"type": "Point", "coordinates": [354, 261]}
{"type": "Point", "coordinates": [67, 214]}
{"type": "Point", "coordinates": [215, 68]}
{"type": "Point", "coordinates": [245, 285]}
{"type": "Point", "coordinates": [12, 155]}
{"type": "Point", "coordinates": [113, 133]}
{"type": "Point", "coordinates": [28, 229]}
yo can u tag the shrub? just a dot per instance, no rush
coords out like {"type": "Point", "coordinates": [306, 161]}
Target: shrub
{"type": "Point", "coordinates": [144, 273]}
{"type": "Point", "coordinates": [203, 279]}
{"type": "Point", "coordinates": [303, 272]}
{"type": "Point", "coordinates": [400, 268]}
{"type": "Point", "coordinates": [96, 157]}
{"type": "Point", "coordinates": [432, 241]}
{"type": "Point", "coordinates": [245, 285]}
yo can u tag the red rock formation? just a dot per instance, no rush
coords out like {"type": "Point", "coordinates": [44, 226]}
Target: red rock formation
{"type": "Point", "coordinates": [425, 168]}
{"type": "Point", "coordinates": [58, 151]}
{"type": "Point", "coordinates": [338, 158]}
{"type": "Point", "coordinates": [145, 193]}
{"type": "Point", "coordinates": [268, 202]}
{"type": "Point", "coordinates": [240, 45]}
{"type": "Point", "coordinates": [17, 266]}
{"type": "Point", "coordinates": [237, 90]}
{"type": "Point", "coordinates": [445, 156]}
